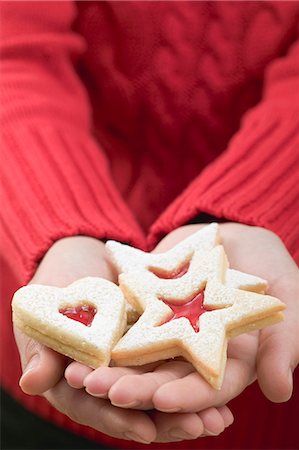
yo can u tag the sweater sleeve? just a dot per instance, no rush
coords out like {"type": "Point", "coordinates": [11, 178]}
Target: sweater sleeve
{"type": "Point", "coordinates": [256, 180]}
{"type": "Point", "coordinates": [55, 178]}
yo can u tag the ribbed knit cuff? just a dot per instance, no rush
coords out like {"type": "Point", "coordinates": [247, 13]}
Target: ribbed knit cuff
{"type": "Point", "coordinates": [255, 181]}
{"type": "Point", "coordinates": [54, 185]}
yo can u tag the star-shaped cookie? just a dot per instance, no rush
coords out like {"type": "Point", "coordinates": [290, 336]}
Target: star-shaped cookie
{"type": "Point", "coordinates": [189, 307]}
{"type": "Point", "coordinates": [176, 262]}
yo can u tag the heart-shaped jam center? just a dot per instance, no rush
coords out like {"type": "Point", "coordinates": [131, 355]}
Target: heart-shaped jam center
{"type": "Point", "coordinates": [81, 313]}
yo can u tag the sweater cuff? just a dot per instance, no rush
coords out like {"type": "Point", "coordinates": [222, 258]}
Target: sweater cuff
{"type": "Point", "coordinates": [56, 185]}
{"type": "Point", "coordinates": [255, 181]}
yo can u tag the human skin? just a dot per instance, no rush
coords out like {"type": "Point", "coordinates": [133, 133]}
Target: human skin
{"type": "Point", "coordinates": [270, 355]}
{"type": "Point", "coordinates": [67, 260]}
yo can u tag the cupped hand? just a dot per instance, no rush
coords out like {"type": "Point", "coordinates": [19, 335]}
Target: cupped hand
{"type": "Point", "coordinates": [68, 260]}
{"type": "Point", "coordinates": [118, 385]}
{"type": "Point", "coordinates": [43, 369]}
{"type": "Point", "coordinates": [271, 354]}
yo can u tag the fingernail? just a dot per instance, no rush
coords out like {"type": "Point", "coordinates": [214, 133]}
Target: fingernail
{"type": "Point", "coordinates": [177, 433]}
{"type": "Point", "coordinates": [210, 433]}
{"type": "Point", "coordinates": [170, 410]}
{"type": "Point", "coordinates": [32, 364]}
{"type": "Point", "coordinates": [135, 437]}
{"type": "Point", "coordinates": [103, 395]}
{"type": "Point", "coordinates": [132, 404]}
{"type": "Point", "coordinates": [74, 386]}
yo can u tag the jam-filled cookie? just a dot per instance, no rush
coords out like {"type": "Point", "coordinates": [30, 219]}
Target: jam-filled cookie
{"type": "Point", "coordinates": [190, 303]}
{"type": "Point", "coordinates": [83, 321]}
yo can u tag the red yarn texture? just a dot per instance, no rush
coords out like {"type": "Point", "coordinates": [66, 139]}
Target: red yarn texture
{"type": "Point", "coordinates": [125, 120]}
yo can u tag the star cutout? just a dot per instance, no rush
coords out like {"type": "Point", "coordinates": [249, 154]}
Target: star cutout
{"type": "Point", "coordinates": [191, 310]}
{"type": "Point", "coordinates": [228, 311]}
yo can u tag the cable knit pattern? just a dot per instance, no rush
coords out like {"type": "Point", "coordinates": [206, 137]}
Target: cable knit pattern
{"type": "Point", "coordinates": [192, 77]}
{"type": "Point", "coordinates": [115, 112]}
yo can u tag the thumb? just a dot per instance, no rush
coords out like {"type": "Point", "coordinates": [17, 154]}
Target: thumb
{"type": "Point", "coordinates": [42, 367]}
{"type": "Point", "coordinates": [276, 360]}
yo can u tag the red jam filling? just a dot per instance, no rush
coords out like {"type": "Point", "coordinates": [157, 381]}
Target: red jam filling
{"type": "Point", "coordinates": [177, 273]}
{"type": "Point", "coordinates": [192, 310]}
{"type": "Point", "coordinates": [82, 313]}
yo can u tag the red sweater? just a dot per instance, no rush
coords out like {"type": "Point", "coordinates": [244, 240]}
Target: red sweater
{"type": "Point", "coordinates": [110, 110]}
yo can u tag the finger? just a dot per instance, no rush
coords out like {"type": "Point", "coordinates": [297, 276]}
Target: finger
{"type": "Point", "coordinates": [192, 393]}
{"type": "Point", "coordinates": [215, 420]}
{"type": "Point", "coordinates": [276, 360]}
{"type": "Point", "coordinates": [101, 415]}
{"type": "Point", "coordinates": [227, 415]}
{"type": "Point", "coordinates": [99, 381]}
{"type": "Point", "coordinates": [136, 391]}
{"type": "Point", "coordinates": [75, 373]}
{"type": "Point", "coordinates": [278, 353]}
{"type": "Point", "coordinates": [177, 427]}
{"type": "Point", "coordinates": [42, 367]}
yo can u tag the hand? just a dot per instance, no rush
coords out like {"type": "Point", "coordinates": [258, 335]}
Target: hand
{"type": "Point", "coordinates": [274, 349]}
{"type": "Point", "coordinates": [62, 264]}
{"type": "Point", "coordinates": [100, 382]}
{"type": "Point", "coordinates": [253, 250]}
{"type": "Point", "coordinates": [68, 260]}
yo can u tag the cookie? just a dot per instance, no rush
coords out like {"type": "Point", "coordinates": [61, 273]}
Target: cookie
{"type": "Point", "coordinates": [189, 306]}
{"type": "Point", "coordinates": [126, 258]}
{"type": "Point", "coordinates": [82, 321]}
{"type": "Point", "coordinates": [175, 262]}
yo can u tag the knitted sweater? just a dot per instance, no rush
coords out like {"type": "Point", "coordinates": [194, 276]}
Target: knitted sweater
{"type": "Point", "coordinates": [125, 120]}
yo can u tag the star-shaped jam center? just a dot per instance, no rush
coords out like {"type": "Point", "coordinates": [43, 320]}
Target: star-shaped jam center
{"type": "Point", "coordinates": [165, 275]}
{"type": "Point", "coordinates": [191, 310]}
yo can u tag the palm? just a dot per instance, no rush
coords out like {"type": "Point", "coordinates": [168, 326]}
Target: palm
{"type": "Point", "coordinates": [175, 386]}
{"type": "Point", "coordinates": [61, 266]}
{"type": "Point", "coordinates": [259, 252]}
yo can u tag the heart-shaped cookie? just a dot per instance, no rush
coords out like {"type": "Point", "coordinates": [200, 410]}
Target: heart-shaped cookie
{"type": "Point", "coordinates": [83, 321]}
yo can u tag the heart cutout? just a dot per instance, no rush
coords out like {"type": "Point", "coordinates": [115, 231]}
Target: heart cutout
{"type": "Point", "coordinates": [82, 313]}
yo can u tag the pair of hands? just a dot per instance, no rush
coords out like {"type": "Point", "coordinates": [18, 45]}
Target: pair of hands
{"type": "Point", "coordinates": [168, 401]}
